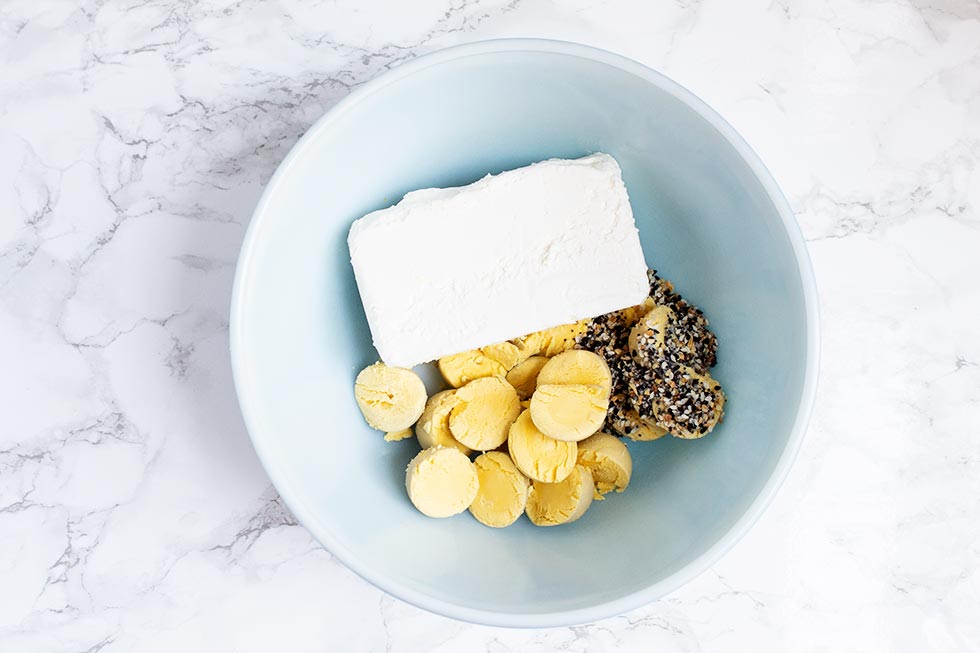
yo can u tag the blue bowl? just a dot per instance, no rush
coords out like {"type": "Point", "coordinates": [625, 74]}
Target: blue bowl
{"type": "Point", "coordinates": [711, 219]}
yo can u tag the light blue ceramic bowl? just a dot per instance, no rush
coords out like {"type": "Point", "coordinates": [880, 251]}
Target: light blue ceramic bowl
{"type": "Point", "coordinates": [711, 219]}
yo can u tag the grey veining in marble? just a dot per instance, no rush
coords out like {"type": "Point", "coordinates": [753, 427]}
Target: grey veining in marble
{"type": "Point", "coordinates": [135, 139]}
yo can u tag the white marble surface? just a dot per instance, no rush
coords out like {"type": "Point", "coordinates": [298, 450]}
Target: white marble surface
{"type": "Point", "coordinates": [135, 138]}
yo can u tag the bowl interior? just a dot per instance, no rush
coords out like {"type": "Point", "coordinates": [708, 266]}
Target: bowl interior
{"type": "Point", "coordinates": [300, 337]}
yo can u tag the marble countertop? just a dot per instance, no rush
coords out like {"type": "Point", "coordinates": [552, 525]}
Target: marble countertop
{"type": "Point", "coordinates": [135, 139]}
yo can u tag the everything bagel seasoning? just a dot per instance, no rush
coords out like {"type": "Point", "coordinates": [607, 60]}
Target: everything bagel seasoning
{"type": "Point", "coordinates": [664, 379]}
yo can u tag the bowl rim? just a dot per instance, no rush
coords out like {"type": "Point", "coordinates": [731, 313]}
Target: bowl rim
{"type": "Point", "coordinates": [621, 604]}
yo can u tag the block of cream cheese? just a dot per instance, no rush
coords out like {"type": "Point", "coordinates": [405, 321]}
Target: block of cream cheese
{"type": "Point", "coordinates": [448, 270]}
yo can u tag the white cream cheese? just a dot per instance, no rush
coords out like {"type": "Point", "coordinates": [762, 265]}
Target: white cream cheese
{"type": "Point", "coordinates": [448, 270]}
